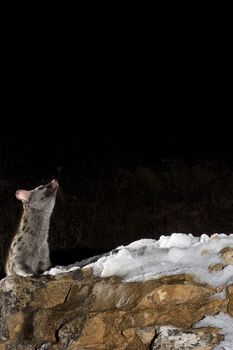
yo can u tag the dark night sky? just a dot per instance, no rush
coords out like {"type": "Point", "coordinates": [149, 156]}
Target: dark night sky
{"type": "Point", "coordinates": [41, 150]}
{"type": "Point", "coordinates": [67, 144]}
{"type": "Point", "coordinates": [175, 126]}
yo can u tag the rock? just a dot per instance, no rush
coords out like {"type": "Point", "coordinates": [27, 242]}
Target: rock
{"type": "Point", "coordinates": [172, 338]}
{"type": "Point", "coordinates": [216, 267]}
{"type": "Point", "coordinates": [204, 252]}
{"type": "Point", "coordinates": [227, 255]}
{"type": "Point", "coordinates": [230, 300]}
{"type": "Point", "coordinates": [79, 311]}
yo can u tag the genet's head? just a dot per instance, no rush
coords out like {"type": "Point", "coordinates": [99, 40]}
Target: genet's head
{"type": "Point", "coordinates": [41, 198]}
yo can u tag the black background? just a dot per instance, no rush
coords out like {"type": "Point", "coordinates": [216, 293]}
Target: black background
{"type": "Point", "coordinates": [84, 119]}
{"type": "Point", "coordinates": [122, 112]}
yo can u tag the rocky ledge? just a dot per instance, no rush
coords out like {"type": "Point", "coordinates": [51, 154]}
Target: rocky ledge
{"type": "Point", "coordinates": [79, 311]}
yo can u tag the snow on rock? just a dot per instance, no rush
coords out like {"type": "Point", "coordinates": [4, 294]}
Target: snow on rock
{"type": "Point", "coordinates": [170, 255]}
{"type": "Point", "coordinates": [179, 240]}
{"type": "Point", "coordinates": [176, 254]}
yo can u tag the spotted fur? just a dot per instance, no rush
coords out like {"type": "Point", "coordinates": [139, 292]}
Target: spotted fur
{"type": "Point", "coordinates": [29, 250]}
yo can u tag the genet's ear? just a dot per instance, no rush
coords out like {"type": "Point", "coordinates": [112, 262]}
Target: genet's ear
{"type": "Point", "coordinates": [22, 195]}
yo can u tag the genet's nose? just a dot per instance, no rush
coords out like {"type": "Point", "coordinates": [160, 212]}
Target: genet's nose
{"type": "Point", "coordinates": [53, 184]}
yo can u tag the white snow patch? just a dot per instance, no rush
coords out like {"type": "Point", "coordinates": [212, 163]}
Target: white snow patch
{"type": "Point", "coordinates": [176, 254]}
{"type": "Point", "coordinates": [60, 269]}
{"type": "Point", "coordinates": [179, 240]}
{"type": "Point", "coordinates": [170, 255]}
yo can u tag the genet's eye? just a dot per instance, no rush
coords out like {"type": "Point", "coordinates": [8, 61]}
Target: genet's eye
{"type": "Point", "coordinates": [41, 188]}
